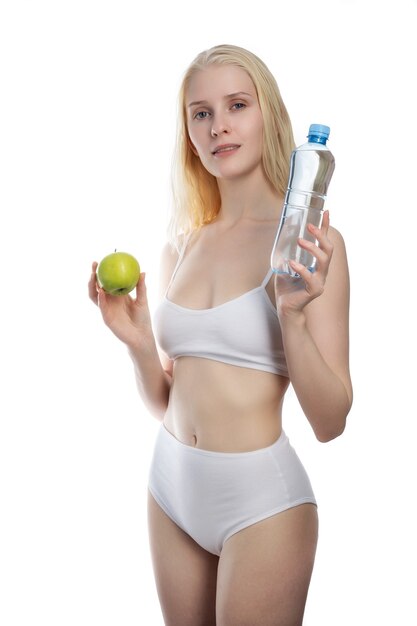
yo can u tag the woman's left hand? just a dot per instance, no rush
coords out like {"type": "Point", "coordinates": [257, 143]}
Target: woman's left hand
{"type": "Point", "coordinates": [292, 293]}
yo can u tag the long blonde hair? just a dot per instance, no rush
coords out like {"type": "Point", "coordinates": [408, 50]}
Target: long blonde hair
{"type": "Point", "coordinates": [196, 194]}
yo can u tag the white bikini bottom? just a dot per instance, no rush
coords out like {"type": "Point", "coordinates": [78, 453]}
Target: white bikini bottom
{"type": "Point", "coordinates": [212, 495]}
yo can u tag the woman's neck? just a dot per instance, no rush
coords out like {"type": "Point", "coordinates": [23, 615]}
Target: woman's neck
{"type": "Point", "coordinates": [248, 198]}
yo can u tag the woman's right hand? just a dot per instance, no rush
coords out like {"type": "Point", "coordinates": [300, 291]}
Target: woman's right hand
{"type": "Point", "coordinates": [128, 318]}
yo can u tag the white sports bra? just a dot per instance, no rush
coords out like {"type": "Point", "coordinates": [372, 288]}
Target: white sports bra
{"type": "Point", "coordinates": [244, 331]}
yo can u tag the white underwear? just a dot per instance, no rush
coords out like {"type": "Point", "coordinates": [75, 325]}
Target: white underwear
{"type": "Point", "coordinates": [212, 495]}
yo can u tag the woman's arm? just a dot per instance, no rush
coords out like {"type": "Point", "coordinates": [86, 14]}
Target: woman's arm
{"type": "Point", "coordinates": [153, 388]}
{"type": "Point", "coordinates": [314, 319]}
{"type": "Point", "coordinates": [152, 380]}
{"type": "Point", "coordinates": [130, 320]}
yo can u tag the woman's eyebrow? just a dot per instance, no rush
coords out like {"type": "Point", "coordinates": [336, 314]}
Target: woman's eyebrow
{"type": "Point", "coordinates": [230, 95]}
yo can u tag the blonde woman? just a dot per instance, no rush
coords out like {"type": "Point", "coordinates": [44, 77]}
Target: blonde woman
{"type": "Point", "coordinates": [232, 515]}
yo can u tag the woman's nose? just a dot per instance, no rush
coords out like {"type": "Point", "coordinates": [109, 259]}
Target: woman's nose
{"type": "Point", "coordinates": [219, 126]}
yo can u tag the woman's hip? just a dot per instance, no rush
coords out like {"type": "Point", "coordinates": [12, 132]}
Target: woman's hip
{"type": "Point", "coordinates": [218, 492]}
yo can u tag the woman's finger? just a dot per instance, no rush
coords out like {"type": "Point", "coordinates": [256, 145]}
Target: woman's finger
{"type": "Point", "coordinates": [325, 223]}
{"type": "Point", "coordinates": [322, 237]}
{"type": "Point", "coordinates": [314, 285]}
{"type": "Point", "coordinates": [92, 284]}
{"type": "Point", "coordinates": [322, 255]}
{"type": "Point", "coordinates": [141, 296]}
{"type": "Point", "coordinates": [321, 234]}
{"type": "Point", "coordinates": [101, 299]}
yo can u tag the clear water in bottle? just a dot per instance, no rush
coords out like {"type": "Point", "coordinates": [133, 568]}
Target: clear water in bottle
{"type": "Point", "coordinates": [311, 169]}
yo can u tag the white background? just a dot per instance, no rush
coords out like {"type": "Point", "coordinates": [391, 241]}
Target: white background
{"type": "Point", "coordinates": [88, 99]}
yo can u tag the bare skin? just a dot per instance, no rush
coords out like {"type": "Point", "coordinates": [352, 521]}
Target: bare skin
{"type": "Point", "coordinates": [264, 570]}
{"type": "Point", "coordinates": [245, 411]}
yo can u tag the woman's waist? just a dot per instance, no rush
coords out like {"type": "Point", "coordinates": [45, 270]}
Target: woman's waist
{"type": "Point", "coordinates": [220, 424]}
{"type": "Point", "coordinates": [207, 379]}
{"type": "Point", "coordinates": [217, 406]}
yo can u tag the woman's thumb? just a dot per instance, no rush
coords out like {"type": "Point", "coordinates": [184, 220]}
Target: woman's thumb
{"type": "Point", "coordinates": [141, 288]}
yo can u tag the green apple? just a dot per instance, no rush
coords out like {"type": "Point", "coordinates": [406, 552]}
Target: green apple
{"type": "Point", "coordinates": [118, 273]}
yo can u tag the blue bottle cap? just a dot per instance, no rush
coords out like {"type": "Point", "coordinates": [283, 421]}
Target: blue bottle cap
{"type": "Point", "coordinates": [319, 130]}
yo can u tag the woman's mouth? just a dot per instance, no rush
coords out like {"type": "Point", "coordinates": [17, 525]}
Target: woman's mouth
{"type": "Point", "coordinates": [225, 149]}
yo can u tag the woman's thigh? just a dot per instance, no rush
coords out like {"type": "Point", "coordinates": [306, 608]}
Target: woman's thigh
{"type": "Point", "coordinates": [185, 573]}
{"type": "Point", "coordinates": [265, 570]}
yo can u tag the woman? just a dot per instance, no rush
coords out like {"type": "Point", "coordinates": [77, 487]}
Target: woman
{"type": "Point", "coordinates": [232, 516]}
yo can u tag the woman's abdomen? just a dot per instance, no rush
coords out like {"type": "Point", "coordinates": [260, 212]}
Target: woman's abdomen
{"type": "Point", "coordinates": [225, 408]}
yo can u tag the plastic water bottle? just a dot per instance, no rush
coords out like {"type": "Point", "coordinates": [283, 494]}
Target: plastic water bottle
{"type": "Point", "coordinates": [311, 169]}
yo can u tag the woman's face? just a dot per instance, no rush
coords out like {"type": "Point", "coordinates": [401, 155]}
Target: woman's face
{"type": "Point", "coordinates": [225, 121]}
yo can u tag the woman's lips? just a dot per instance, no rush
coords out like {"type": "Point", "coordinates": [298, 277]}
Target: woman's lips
{"type": "Point", "coordinates": [225, 149]}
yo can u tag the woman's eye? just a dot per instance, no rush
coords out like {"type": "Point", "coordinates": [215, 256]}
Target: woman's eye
{"type": "Point", "coordinates": [238, 105]}
{"type": "Point", "coordinates": [201, 115]}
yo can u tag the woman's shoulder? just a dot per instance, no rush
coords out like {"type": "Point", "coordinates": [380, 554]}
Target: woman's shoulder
{"type": "Point", "coordinates": [170, 254]}
{"type": "Point", "coordinates": [336, 236]}
{"type": "Point", "coordinates": [172, 249]}
{"type": "Point", "coordinates": [337, 282]}
{"type": "Point", "coordinates": [339, 247]}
